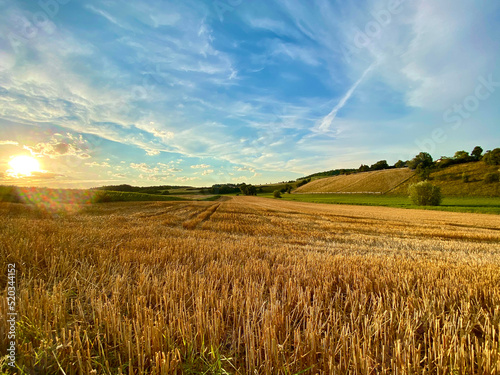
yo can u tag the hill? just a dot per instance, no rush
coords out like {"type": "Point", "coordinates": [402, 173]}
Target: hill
{"type": "Point", "coordinates": [461, 180]}
{"type": "Point", "coordinates": [364, 182]}
{"type": "Point", "coordinates": [452, 181]}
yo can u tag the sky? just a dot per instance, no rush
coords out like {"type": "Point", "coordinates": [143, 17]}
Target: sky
{"type": "Point", "coordinates": [227, 91]}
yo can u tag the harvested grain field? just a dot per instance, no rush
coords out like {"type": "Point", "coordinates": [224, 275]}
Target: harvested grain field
{"type": "Point", "coordinates": [253, 286]}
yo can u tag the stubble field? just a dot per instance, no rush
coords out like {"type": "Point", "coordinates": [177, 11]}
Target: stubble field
{"type": "Point", "coordinates": [252, 286]}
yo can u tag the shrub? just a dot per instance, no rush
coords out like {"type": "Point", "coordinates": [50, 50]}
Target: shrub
{"type": "Point", "coordinates": [423, 173]}
{"type": "Point", "coordinates": [492, 157]}
{"type": "Point", "coordinates": [10, 194]}
{"type": "Point", "coordinates": [465, 177]}
{"type": "Point", "coordinates": [303, 182]}
{"type": "Point", "coordinates": [277, 194]}
{"type": "Point", "coordinates": [425, 194]}
{"type": "Point", "coordinates": [490, 178]}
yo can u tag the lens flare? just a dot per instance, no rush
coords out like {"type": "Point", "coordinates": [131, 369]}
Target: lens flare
{"type": "Point", "coordinates": [23, 166]}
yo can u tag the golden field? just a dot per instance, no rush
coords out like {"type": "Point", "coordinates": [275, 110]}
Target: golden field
{"type": "Point", "coordinates": [366, 182]}
{"type": "Point", "coordinates": [250, 285]}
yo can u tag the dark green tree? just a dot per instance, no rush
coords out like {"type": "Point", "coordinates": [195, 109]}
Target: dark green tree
{"type": "Point", "coordinates": [244, 189]}
{"type": "Point", "coordinates": [462, 156]}
{"type": "Point", "coordinates": [363, 168]}
{"type": "Point", "coordinates": [400, 164]}
{"type": "Point", "coordinates": [492, 157]}
{"type": "Point", "coordinates": [424, 159]}
{"type": "Point", "coordinates": [303, 182]}
{"type": "Point", "coordinates": [251, 190]}
{"type": "Point", "coordinates": [477, 152]}
{"type": "Point", "coordinates": [379, 165]}
{"type": "Point", "coordinates": [423, 173]}
{"type": "Point", "coordinates": [445, 161]}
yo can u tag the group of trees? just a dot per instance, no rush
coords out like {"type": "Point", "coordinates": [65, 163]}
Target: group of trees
{"type": "Point", "coordinates": [248, 189]}
{"type": "Point", "coordinates": [424, 193]}
{"type": "Point", "coordinates": [157, 190]}
{"type": "Point", "coordinates": [424, 160]}
{"type": "Point", "coordinates": [378, 166]}
{"type": "Point", "coordinates": [303, 182]}
{"type": "Point", "coordinates": [490, 157]}
{"type": "Point", "coordinates": [232, 188]}
{"type": "Point", "coordinates": [224, 189]}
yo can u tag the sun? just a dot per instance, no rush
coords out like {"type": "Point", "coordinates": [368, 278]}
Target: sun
{"type": "Point", "coordinates": [23, 166]}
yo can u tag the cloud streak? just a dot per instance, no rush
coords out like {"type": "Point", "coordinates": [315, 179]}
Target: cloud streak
{"type": "Point", "coordinates": [327, 121]}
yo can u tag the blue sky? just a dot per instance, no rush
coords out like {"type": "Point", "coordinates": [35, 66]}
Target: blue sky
{"type": "Point", "coordinates": [205, 92]}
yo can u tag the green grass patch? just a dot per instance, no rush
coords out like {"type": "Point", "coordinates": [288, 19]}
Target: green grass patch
{"type": "Point", "coordinates": [485, 205]}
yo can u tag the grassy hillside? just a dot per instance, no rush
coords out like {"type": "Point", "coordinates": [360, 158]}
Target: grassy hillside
{"type": "Point", "coordinates": [366, 182]}
{"type": "Point", "coordinates": [451, 182]}
{"type": "Point", "coordinates": [463, 180]}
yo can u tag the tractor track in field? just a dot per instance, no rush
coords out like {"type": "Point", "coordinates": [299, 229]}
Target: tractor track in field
{"type": "Point", "coordinates": [203, 216]}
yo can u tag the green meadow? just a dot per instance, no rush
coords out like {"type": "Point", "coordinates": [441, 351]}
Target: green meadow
{"type": "Point", "coordinates": [485, 205]}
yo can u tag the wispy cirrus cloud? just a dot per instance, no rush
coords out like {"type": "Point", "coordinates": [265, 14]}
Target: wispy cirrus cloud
{"type": "Point", "coordinates": [159, 83]}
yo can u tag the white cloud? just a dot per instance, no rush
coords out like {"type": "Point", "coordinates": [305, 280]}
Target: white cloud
{"type": "Point", "coordinates": [242, 169]}
{"type": "Point", "coordinates": [99, 165]}
{"type": "Point", "coordinates": [200, 166]}
{"type": "Point", "coordinates": [5, 143]}
{"type": "Point", "coordinates": [151, 152]}
{"type": "Point", "coordinates": [328, 119]}
{"type": "Point", "coordinates": [143, 167]}
{"type": "Point", "coordinates": [441, 61]}
{"type": "Point", "coordinates": [59, 146]}
{"type": "Point", "coordinates": [186, 179]}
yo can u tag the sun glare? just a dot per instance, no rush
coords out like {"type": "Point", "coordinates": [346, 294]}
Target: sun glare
{"type": "Point", "coordinates": [23, 166]}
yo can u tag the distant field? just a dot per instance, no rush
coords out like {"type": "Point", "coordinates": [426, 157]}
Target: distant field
{"type": "Point", "coordinates": [455, 204]}
{"type": "Point", "coordinates": [51, 197]}
{"type": "Point", "coordinates": [376, 182]}
{"type": "Point", "coordinates": [251, 286]}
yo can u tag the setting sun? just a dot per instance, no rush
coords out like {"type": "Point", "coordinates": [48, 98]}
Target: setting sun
{"type": "Point", "coordinates": [23, 165]}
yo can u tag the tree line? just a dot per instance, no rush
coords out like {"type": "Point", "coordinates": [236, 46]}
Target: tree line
{"type": "Point", "coordinates": [421, 162]}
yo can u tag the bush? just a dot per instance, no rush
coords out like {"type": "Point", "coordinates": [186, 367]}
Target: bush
{"type": "Point", "coordinates": [277, 194]}
{"type": "Point", "coordinates": [492, 177]}
{"type": "Point", "coordinates": [425, 194]}
{"type": "Point", "coordinates": [465, 177]}
{"type": "Point", "coordinates": [492, 157]}
{"type": "Point", "coordinates": [10, 194]}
